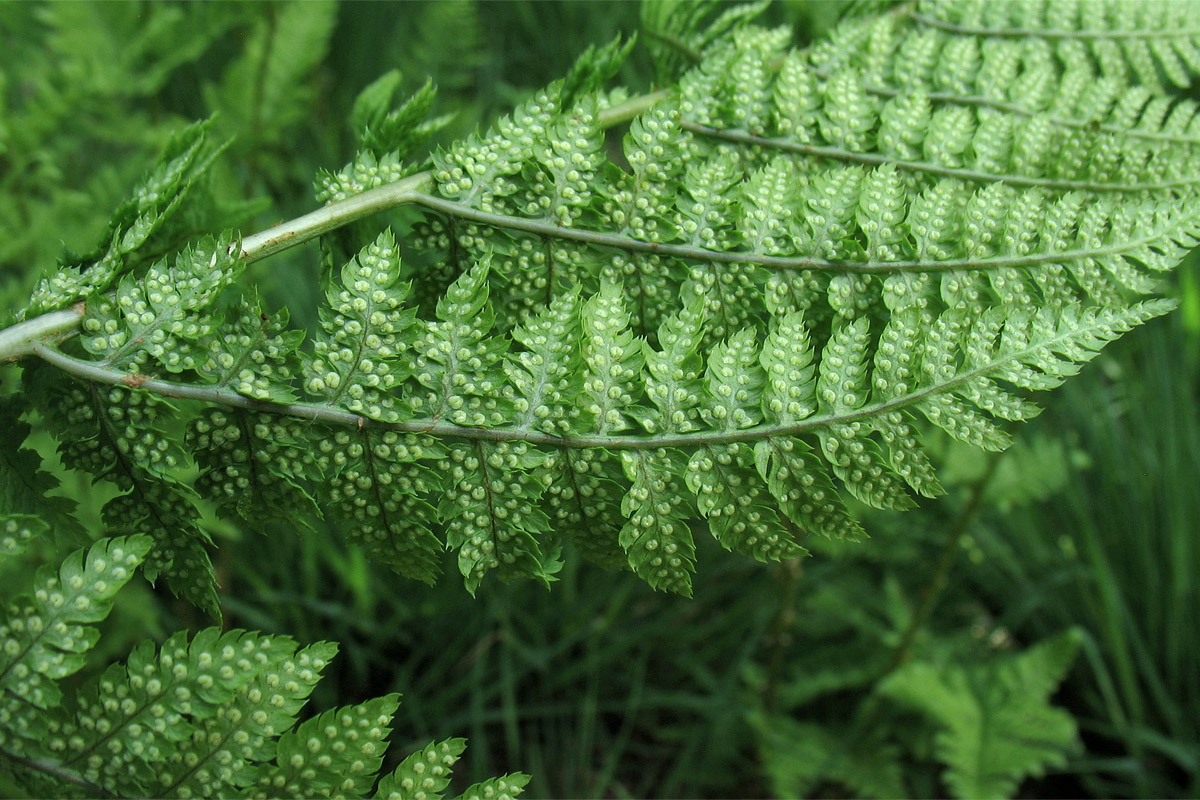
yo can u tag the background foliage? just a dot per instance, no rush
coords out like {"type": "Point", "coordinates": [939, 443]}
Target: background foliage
{"type": "Point", "coordinates": [783, 680]}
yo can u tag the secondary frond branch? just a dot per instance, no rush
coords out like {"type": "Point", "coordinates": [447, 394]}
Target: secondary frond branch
{"type": "Point", "coordinates": [1063, 340]}
{"type": "Point", "coordinates": [409, 192]}
{"type": "Point", "coordinates": [881, 159]}
{"type": "Point", "coordinates": [1051, 33]}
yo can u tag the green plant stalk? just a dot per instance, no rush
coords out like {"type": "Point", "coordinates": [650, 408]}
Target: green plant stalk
{"type": "Point", "coordinates": [21, 339]}
{"type": "Point", "coordinates": [941, 574]}
{"type": "Point", "coordinates": [100, 374]}
{"type": "Point", "coordinates": [879, 159]}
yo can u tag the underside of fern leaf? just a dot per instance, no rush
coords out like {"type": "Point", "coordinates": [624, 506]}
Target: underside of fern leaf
{"type": "Point", "coordinates": [212, 715]}
{"type": "Point", "coordinates": [800, 259]}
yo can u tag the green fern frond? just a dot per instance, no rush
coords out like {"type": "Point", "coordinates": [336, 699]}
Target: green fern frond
{"type": "Point", "coordinates": [46, 635]}
{"type": "Point", "coordinates": [507, 787]}
{"type": "Point", "coordinates": [121, 435]}
{"type": "Point", "coordinates": [803, 258]}
{"type": "Point", "coordinates": [264, 90]}
{"type": "Point", "coordinates": [387, 137]}
{"type": "Point", "coordinates": [996, 725]}
{"type": "Point", "coordinates": [680, 32]}
{"type": "Point", "coordinates": [213, 716]}
{"type": "Point", "coordinates": [1148, 41]}
{"type": "Point", "coordinates": [146, 225]}
{"type": "Point", "coordinates": [424, 773]}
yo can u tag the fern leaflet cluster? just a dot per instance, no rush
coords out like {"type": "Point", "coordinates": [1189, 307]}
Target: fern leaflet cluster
{"type": "Point", "coordinates": [799, 259]}
{"type": "Point", "coordinates": [214, 714]}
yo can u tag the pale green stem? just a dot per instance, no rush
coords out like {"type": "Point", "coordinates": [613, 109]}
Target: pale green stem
{"type": "Point", "coordinates": [412, 190]}
{"type": "Point", "coordinates": [333, 216]}
{"type": "Point", "coordinates": [881, 159]}
{"type": "Point", "coordinates": [20, 339]}
{"type": "Point", "coordinates": [100, 374]}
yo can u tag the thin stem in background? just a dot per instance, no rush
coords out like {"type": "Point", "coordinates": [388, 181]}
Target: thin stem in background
{"type": "Point", "coordinates": [940, 579]}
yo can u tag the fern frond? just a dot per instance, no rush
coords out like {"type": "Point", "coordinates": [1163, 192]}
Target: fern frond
{"type": "Point", "coordinates": [996, 725]}
{"type": "Point", "coordinates": [155, 315]}
{"type": "Point", "coordinates": [803, 258]}
{"type": "Point", "coordinates": [656, 537]}
{"type": "Point", "coordinates": [45, 636]}
{"type": "Point", "coordinates": [121, 435]}
{"type": "Point", "coordinates": [856, 406]}
{"type": "Point", "coordinates": [215, 716]}
{"type": "Point", "coordinates": [387, 137]}
{"type": "Point", "coordinates": [1153, 41]}
{"type": "Point", "coordinates": [143, 227]}
{"type": "Point", "coordinates": [425, 773]}
{"type": "Point", "coordinates": [265, 89]}
{"type": "Point", "coordinates": [680, 32]}
{"type": "Point", "coordinates": [507, 787]}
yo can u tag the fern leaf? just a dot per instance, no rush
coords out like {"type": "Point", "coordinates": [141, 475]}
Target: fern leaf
{"type": "Point", "coordinates": [376, 484]}
{"type": "Point", "coordinates": [277, 680]}
{"type": "Point", "coordinates": [213, 716]}
{"type": "Point", "coordinates": [996, 725]}
{"type": "Point", "coordinates": [729, 493]}
{"type": "Point", "coordinates": [800, 484]}
{"type": "Point", "coordinates": [1163, 31]}
{"type": "Point", "coordinates": [584, 493]}
{"type": "Point", "coordinates": [150, 216]}
{"type": "Point", "coordinates": [265, 89]}
{"type": "Point", "coordinates": [156, 694]}
{"type": "Point", "coordinates": [457, 362]}
{"type": "Point", "coordinates": [251, 353]}
{"type": "Point", "coordinates": [337, 752]}
{"type": "Point", "coordinates": [46, 635]}
{"type": "Point", "coordinates": [366, 171]}
{"type": "Point", "coordinates": [425, 773]}
{"type": "Point", "coordinates": [165, 511]}
{"type": "Point", "coordinates": [120, 435]}
{"type": "Point", "coordinates": [156, 314]}
{"type": "Point", "coordinates": [804, 257]}
{"type": "Point", "coordinates": [387, 137]}
{"type": "Point", "coordinates": [18, 531]}
{"type": "Point", "coordinates": [842, 387]}
{"type": "Point", "coordinates": [546, 377]}
{"type": "Point", "coordinates": [583, 487]}
{"type": "Point", "coordinates": [254, 466]}
{"type": "Point", "coordinates": [792, 472]}
{"type": "Point", "coordinates": [395, 131]}
{"type": "Point", "coordinates": [673, 374]}
{"type": "Point", "coordinates": [680, 32]}
{"type": "Point", "coordinates": [656, 537]}
{"type": "Point", "coordinates": [358, 361]}
{"type": "Point", "coordinates": [613, 361]}
{"type": "Point", "coordinates": [506, 787]}
{"type": "Point", "coordinates": [798, 756]}
{"type": "Point", "coordinates": [642, 205]}
{"type": "Point", "coordinates": [491, 511]}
